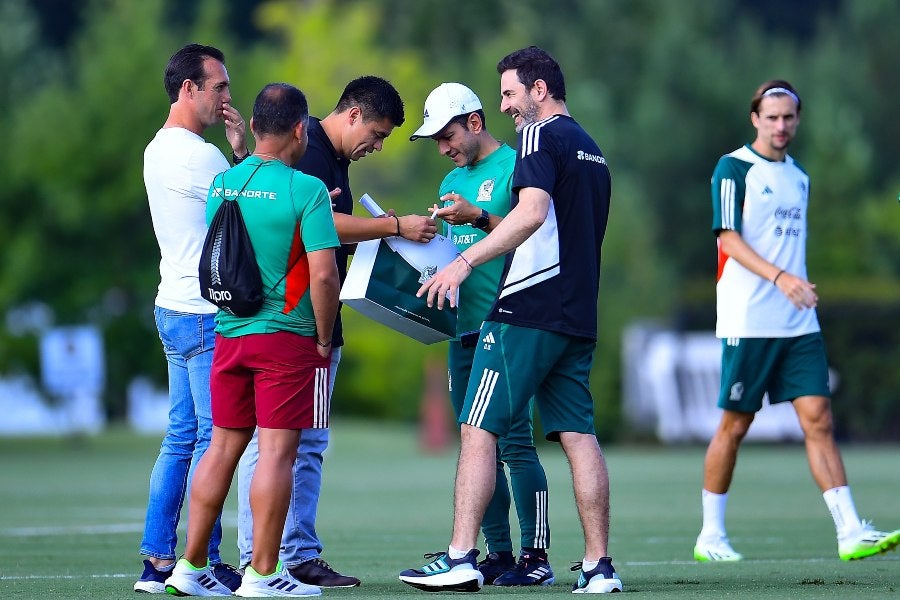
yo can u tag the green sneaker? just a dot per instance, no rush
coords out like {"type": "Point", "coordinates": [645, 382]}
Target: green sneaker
{"type": "Point", "coordinates": [867, 541]}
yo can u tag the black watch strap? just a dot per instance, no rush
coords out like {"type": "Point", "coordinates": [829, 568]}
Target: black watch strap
{"type": "Point", "coordinates": [482, 221]}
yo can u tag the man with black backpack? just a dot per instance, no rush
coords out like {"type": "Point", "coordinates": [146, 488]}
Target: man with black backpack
{"type": "Point", "coordinates": [271, 369]}
{"type": "Point", "coordinates": [367, 111]}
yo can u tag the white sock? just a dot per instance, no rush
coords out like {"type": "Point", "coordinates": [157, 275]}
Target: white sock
{"type": "Point", "coordinates": [589, 565]}
{"type": "Point", "coordinates": [713, 514]}
{"type": "Point", "coordinates": [843, 511]}
{"type": "Point", "coordinates": [455, 554]}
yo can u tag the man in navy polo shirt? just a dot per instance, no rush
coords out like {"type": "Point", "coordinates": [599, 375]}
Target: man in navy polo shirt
{"type": "Point", "coordinates": [539, 338]}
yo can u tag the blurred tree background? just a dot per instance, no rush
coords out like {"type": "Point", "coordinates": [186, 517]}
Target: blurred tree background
{"type": "Point", "coordinates": [663, 86]}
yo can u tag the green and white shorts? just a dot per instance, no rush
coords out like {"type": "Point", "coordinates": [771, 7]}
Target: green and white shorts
{"type": "Point", "coordinates": [786, 368]}
{"type": "Point", "coordinates": [512, 364]}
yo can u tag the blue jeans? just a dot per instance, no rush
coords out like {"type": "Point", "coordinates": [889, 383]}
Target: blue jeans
{"type": "Point", "coordinates": [299, 542]}
{"type": "Point", "coordinates": [187, 341]}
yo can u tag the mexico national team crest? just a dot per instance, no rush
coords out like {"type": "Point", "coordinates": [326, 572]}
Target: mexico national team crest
{"type": "Point", "coordinates": [485, 191]}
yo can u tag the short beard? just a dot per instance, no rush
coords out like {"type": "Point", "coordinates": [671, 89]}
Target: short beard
{"type": "Point", "coordinates": [469, 150]}
{"type": "Point", "coordinates": [529, 114]}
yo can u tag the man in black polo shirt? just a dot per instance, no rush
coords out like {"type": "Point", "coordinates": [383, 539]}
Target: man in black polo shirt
{"type": "Point", "coordinates": [365, 115]}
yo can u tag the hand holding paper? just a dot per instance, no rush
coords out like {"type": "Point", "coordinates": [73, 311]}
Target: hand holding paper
{"type": "Point", "coordinates": [457, 210]}
{"type": "Point", "coordinates": [415, 228]}
{"type": "Point", "coordinates": [426, 253]}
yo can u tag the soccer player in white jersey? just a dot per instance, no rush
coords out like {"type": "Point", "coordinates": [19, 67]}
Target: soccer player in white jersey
{"type": "Point", "coordinates": [766, 318]}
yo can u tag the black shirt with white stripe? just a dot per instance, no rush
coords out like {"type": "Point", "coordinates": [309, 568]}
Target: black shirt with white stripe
{"type": "Point", "coordinates": [551, 280]}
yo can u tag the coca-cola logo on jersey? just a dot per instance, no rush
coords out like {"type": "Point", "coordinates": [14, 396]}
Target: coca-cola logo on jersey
{"type": "Point", "coordinates": [792, 212]}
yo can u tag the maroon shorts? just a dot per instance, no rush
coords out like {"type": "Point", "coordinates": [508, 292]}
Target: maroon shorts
{"type": "Point", "coordinates": [274, 380]}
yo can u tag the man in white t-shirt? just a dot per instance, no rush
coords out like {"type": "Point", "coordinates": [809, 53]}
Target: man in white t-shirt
{"type": "Point", "coordinates": [771, 342]}
{"type": "Point", "coordinates": [179, 166]}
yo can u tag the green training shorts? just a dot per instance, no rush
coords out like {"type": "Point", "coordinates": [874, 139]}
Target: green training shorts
{"type": "Point", "coordinates": [786, 368]}
{"type": "Point", "coordinates": [512, 364]}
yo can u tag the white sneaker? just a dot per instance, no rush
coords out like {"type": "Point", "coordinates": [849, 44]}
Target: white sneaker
{"type": "Point", "coordinates": [188, 580]}
{"type": "Point", "coordinates": [867, 541]}
{"type": "Point", "coordinates": [715, 549]}
{"type": "Point", "coordinates": [278, 584]}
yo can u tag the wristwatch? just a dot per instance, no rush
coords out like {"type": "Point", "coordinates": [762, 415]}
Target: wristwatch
{"type": "Point", "coordinates": [482, 221]}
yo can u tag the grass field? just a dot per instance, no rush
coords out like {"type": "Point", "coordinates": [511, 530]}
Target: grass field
{"type": "Point", "coordinates": [72, 515]}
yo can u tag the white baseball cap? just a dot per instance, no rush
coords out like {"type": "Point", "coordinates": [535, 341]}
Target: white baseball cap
{"type": "Point", "coordinates": [446, 101]}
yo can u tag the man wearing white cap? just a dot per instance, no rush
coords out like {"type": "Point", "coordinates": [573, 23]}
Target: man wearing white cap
{"type": "Point", "coordinates": [454, 118]}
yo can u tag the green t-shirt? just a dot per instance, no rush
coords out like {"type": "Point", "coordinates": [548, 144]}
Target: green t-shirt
{"type": "Point", "coordinates": [486, 184]}
{"type": "Point", "coordinates": [287, 214]}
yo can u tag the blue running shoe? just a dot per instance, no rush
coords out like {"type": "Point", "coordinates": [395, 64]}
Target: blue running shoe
{"type": "Point", "coordinates": [602, 579]}
{"type": "Point", "coordinates": [153, 580]}
{"type": "Point", "coordinates": [530, 570]}
{"type": "Point", "coordinates": [495, 565]}
{"type": "Point", "coordinates": [228, 575]}
{"type": "Point", "coordinates": [444, 574]}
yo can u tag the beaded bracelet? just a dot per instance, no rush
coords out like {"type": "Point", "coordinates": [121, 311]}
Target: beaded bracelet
{"type": "Point", "coordinates": [459, 254]}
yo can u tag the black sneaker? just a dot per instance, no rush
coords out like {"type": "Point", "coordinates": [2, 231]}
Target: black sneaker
{"type": "Point", "coordinates": [602, 579]}
{"type": "Point", "coordinates": [319, 573]}
{"type": "Point", "coordinates": [495, 565]}
{"type": "Point", "coordinates": [228, 575]}
{"type": "Point", "coordinates": [153, 580]}
{"type": "Point", "coordinates": [530, 570]}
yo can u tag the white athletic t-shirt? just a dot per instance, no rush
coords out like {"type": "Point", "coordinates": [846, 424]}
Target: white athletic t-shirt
{"type": "Point", "coordinates": [179, 167]}
{"type": "Point", "coordinates": [766, 202]}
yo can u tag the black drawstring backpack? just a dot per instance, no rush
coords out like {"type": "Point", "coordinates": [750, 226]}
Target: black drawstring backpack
{"type": "Point", "coordinates": [229, 273]}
